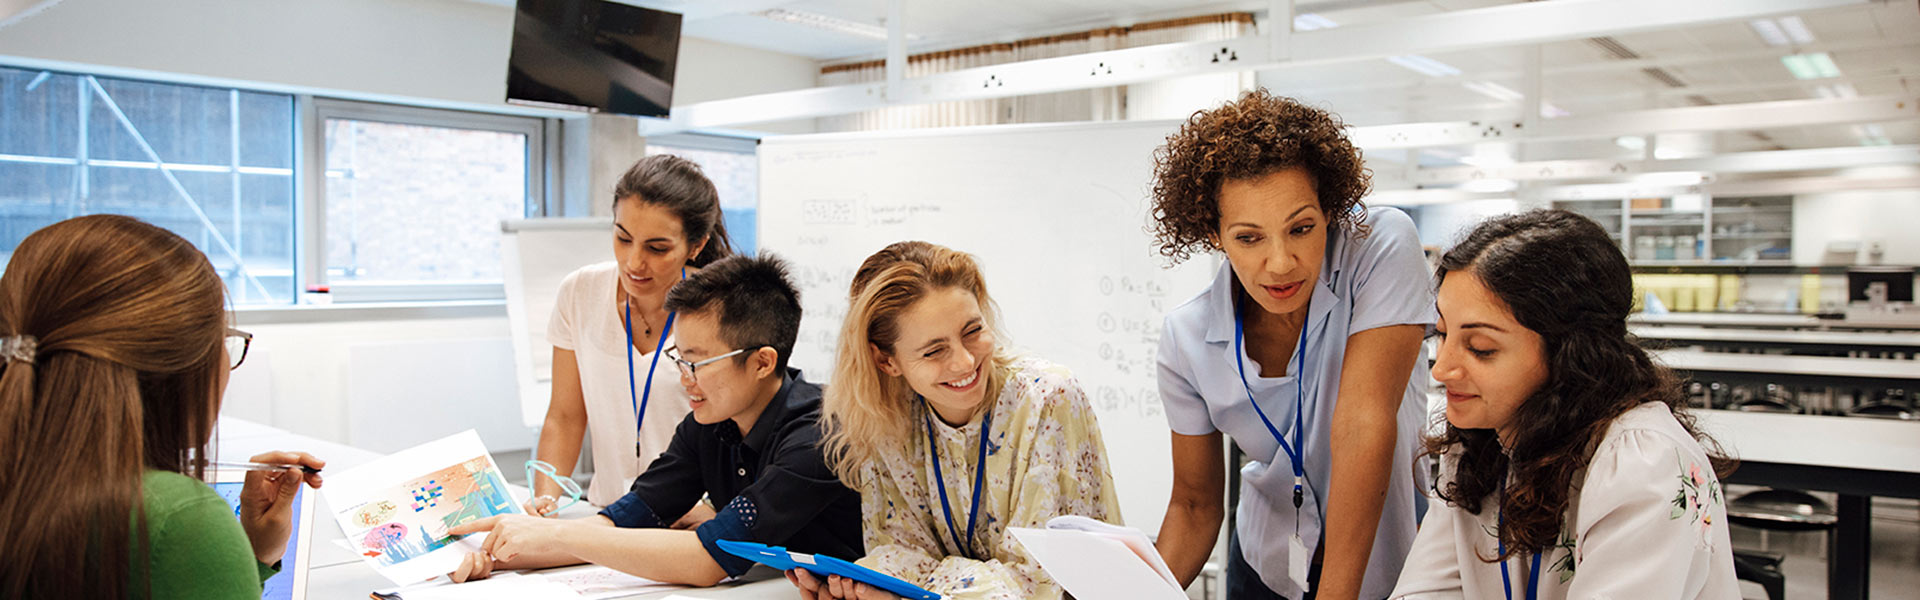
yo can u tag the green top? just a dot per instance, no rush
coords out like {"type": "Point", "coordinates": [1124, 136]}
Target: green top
{"type": "Point", "coordinates": [199, 549]}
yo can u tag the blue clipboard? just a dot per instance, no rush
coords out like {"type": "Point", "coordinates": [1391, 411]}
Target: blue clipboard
{"type": "Point", "coordinates": [823, 565]}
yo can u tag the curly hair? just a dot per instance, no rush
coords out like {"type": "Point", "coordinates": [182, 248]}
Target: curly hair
{"type": "Point", "coordinates": [1565, 279]}
{"type": "Point", "coordinates": [1257, 135]}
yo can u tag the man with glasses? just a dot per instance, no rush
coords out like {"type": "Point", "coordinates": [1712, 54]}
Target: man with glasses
{"type": "Point", "coordinates": [750, 444]}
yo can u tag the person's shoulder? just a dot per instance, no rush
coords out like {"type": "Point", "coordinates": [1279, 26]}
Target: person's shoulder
{"type": "Point", "coordinates": [1043, 385]}
{"type": "Point", "coordinates": [1385, 226]}
{"type": "Point", "coordinates": [1647, 434]}
{"type": "Point", "coordinates": [596, 275]}
{"type": "Point", "coordinates": [166, 493]}
{"type": "Point", "coordinates": [1189, 318]}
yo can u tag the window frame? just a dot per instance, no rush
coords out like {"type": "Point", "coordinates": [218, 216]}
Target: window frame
{"type": "Point", "coordinates": [314, 114]}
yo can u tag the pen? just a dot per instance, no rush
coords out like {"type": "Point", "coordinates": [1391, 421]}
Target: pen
{"type": "Point", "coordinates": [252, 466]}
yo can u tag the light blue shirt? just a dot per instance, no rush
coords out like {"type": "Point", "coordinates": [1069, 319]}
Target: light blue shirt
{"type": "Point", "coordinates": [1367, 282]}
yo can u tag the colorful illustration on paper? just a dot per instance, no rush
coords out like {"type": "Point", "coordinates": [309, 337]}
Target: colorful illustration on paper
{"type": "Point", "coordinates": [412, 519]}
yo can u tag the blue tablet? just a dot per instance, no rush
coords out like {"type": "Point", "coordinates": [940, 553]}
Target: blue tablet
{"type": "Point", "coordinates": [780, 558]}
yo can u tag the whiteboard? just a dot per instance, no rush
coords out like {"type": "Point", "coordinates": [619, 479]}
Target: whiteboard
{"type": "Point", "coordinates": [1058, 217]}
{"type": "Point", "coordinates": [536, 255]}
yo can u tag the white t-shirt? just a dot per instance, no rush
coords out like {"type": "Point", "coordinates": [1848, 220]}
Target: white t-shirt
{"type": "Point", "coordinates": [587, 320]}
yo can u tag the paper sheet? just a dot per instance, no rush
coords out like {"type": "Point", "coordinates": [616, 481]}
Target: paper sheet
{"type": "Point", "coordinates": [396, 510]}
{"type": "Point", "coordinates": [595, 582]}
{"type": "Point", "coordinates": [505, 586]}
{"type": "Point", "coordinates": [1099, 564]}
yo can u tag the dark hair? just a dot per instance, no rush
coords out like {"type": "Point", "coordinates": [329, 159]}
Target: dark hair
{"type": "Point", "coordinates": [678, 185]}
{"type": "Point", "coordinates": [1257, 135]}
{"type": "Point", "coordinates": [1563, 278]}
{"type": "Point", "coordinates": [129, 320]}
{"type": "Point", "coordinates": [757, 303]}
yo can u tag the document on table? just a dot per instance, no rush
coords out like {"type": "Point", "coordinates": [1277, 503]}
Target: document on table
{"type": "Point", "coordinates": [1092, 559]}
{"type": "Point", "coordinates": [396, 510]}
{"type": "Point", "coordinates": [586, 582]}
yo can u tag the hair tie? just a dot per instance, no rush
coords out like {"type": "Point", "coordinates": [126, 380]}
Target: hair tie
{"type": "Point", "coordinates": [18, 348]}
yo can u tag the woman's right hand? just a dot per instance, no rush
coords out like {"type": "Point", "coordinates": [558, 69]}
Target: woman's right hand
{"type": "Point", "coordinates": [542, 506]}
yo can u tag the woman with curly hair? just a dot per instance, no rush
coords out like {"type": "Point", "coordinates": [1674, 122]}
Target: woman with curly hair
{"type": "Point", "coordinates": [1306, 350]}
{"type": "Point", "coordinates": [1567, 451]}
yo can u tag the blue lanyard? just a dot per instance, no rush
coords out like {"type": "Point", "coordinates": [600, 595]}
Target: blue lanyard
{"type": "Point", "coordinates": [1299, 400]}
{"type": "Point", "coordinates": [640, 398]}
{"type": "Point", "coordinates": [979, 476]}
{"type": "Point", "coordinates": [1533, 576]}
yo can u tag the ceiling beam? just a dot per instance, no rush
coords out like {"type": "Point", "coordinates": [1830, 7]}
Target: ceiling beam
{"type": "Point", "coordinates": [1508, 25]}
{"type": "Point", "coordinates": [1817, 159]}
{"type": "Point", "coordinates": [1726, 117]}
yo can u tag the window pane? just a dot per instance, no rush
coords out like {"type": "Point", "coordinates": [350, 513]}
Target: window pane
{"type": "Point", "coordinates": [736, 175]}
{"type": "Point", "coordinates": [64, 152]}
{"type": "Point", "coordinates": [412, 203]}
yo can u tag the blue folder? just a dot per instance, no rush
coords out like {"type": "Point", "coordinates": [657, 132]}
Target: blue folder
{"type": "Point", "coordinates": [823, 565]}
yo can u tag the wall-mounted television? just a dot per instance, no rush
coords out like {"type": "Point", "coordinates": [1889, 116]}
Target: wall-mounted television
{"type": "Point", "coordinates": [593, 54]}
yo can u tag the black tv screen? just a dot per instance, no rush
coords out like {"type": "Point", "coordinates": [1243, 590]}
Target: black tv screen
{"type": "Point", "coordinates": [596, 54]}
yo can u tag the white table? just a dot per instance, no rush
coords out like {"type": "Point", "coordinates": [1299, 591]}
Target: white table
{"type": "Point", "coordinates": [333, 572]}
{"type": "Point", "coordinates": [1856, 457]}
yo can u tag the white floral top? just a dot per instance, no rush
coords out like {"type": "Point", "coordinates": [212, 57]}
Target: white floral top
{"type": "Point", "coordinates": [1044, 459]}
{"type": "Point", "coordinates": [1648, 521]}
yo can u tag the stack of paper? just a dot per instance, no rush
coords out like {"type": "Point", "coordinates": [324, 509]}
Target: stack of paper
{"type": "Point", "coordinates": [1092, 559]}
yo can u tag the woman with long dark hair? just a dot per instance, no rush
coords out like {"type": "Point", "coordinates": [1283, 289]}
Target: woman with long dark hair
{"type": "Point", "coordinates": [610, 324]}
{"type": "Point", "coordinates": [1569, 465]}
{"type": "Point", "coordinates": [113, 359]}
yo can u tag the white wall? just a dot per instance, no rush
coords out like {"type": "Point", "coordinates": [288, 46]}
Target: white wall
{"type": "Point", "coordinates": [432, 50]}
{"type": "Point", "coordinates": [1889, 217]}
{"type": "Point", "coordinates": [306, 383]}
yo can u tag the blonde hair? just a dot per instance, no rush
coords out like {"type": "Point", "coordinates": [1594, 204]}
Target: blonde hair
{"type": "Point", "coordinates": [865, 408]}
{"type": "Point", "coordinates": [129, 320]}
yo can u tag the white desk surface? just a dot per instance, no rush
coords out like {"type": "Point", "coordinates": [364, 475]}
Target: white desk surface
{"type": "Point", "coordinates": [334, 572]}
{"type": "Point", "coordinates": [1777, 336]}
{"type": "Point", "coordinates": [1694, 360]}
{"type": "Point", "coordinates": [1851, 442]}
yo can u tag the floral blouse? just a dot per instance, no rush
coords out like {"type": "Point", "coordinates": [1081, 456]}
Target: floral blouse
{"type": "Point", "coordinates": [1044, 459]}
{"type": "Point", "coordinates": [1648, 521]}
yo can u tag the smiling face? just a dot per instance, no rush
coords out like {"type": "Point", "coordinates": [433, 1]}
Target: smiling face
{"type": "Point", "coordinates": [1489, 363]}
{"type": "Point", "coordinates": [650, 246]}
{"type": "Point", "coordinates": [728, 388]}
{"type": "Point", "coordinates": [943, 351]}
{"type": "Point", "coordinates": [1274, 235]}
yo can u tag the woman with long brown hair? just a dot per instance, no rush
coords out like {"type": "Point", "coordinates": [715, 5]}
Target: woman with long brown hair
{"type": "Point", "coordinates": [950, 439]}
{"type": "Point", "coordinates": [112, 362]}
{"type": "Point", "coordinates": [609, 326]}
{"type": "Point", "coordinates": [1569, 466]}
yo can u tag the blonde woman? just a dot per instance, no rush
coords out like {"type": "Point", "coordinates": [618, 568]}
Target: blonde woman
{"type": "Point", "coordinates": [949, 439]}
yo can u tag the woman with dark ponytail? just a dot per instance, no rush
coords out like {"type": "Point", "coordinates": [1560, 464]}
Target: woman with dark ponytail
{"type": "Point", "coordinates": [1570, 467]}
{"type": "Point", "coordinates": [610, 324]}
{"type": "Point", "coordinates": [114, 353]}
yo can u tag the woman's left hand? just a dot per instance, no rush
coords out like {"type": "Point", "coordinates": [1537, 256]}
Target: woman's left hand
{"type": "Point", "coordinates": [266, 502]}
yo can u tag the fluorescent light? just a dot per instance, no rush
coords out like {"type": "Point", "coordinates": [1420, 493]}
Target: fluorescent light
{"type": "Point", "coordinates": [1631, 142]}
{"type": "Point", "coordinates": [1814, 65]}
{"type": "Point", "coordinates": [827, 23]}
{"type": "Point", "coordinates": [1423, 65]}
{"type": "Point", "coordinates": [1664, 153]}
{"type": "Point", "coordinates": [1494, 90]}
{"type": "Point", "coordinates": [1490, 186]}
{"type": "Point", "coordinates": [1548, 110]}
{"type": "Point", "coordinates": [1796, 30]}
{"type": "Point", "coordinates": [1310, 22]}
{"type": "Point", "coordinates": [1769, 32]}
{"type": "Point", "coordinates": [1671, 178]}
{"type": "Point", "coordinates": [1838, 90]}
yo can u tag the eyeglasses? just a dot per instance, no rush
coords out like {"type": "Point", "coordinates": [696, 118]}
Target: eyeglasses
{"type": "Point", "coordinates": [567, 484]}
{"type": "Point", "coordinates": [237, 344]}
{"type": "Point", "coordinates": [687, 367]}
